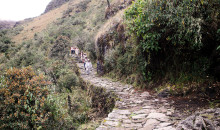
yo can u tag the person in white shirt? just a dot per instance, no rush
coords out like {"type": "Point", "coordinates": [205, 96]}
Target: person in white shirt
{"type": "Point", "coordinates": [77, 51]}
{"type": "Point", "coordinates": [88, 67]}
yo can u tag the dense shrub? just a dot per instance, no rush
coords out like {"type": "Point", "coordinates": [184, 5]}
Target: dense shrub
{"type": "Point", "coordinates": [23, 103]}
{"type": "Point", "coordinates": [102, 102]}
{"type": "Point", "coordinates": [110, 60]}
{"type": "Point", "coordinates": [68, 81]}
{"type": "Point", "coordinates": [176, 36]}
{"type": "Point", "coordinates": [5, 43]}
{"type": "Point", "coordinates": [63, 76]}
{"type": "Point", "coordinates": [90, 47]}
{"type": "Point", "coordinates": [60, 48]}
{"type": "Point", "coordinates": [80, 43]}
{"type": "Point", "coordinates": [16, 30]}
{"type": "Point", "coordinates": [27, 57]}
{"type": "Point", "coordinates": [3, 47]}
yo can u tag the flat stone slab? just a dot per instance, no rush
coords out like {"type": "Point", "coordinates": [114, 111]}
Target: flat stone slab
{"type": "Point", "coordinates": [159, 116]}
{"type": "Point", "coordinates": [164, 124]}
{"type": "Point", "coordinates": [111, 119]}
{"type": "Point", "coordinates": [150, 124]}
{"type": "Point", "coordinates": [138, 102]}
{"type": "Point", "coordinates": [169, 113]}
{"type": "Point", "coordinates": [145, 94]}
{"type": "Point", "coordinates": [112, 115]}
{"type": "Point", "coordinates": [122, 112]}
{"type": "Point", "coordinates": [111, 123]}
{"type": "Point", "coordinates": [166, 128]}
{"type": "Point", "coordinates": [143, 111]}
{"type": "Point", "coordinates": [116, 116]}
{"type": "Point", "coordinates": [147, 107]}
{"type": "Point", "coordinates": [133, 125]}
{"type": "Point", "coordinates": [102, 127]}
{"type": "Point", "coordinates": [141, 116]}
{"type": "Point", "coordinates": [156, 115]}
{"type": "Point", "coordinates": [127, 121]}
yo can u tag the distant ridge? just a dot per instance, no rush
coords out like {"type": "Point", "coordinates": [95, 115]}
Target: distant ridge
{"type": "Point", "coordinates": [54, 4]}
{"type": "Point", "coordinates": [4, 24]}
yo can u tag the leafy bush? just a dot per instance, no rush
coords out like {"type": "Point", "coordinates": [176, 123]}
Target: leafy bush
{"type": "Point", "coordinates": [63, 76]}
{"type": "Point", "coordinates": [4, 47]}
{"type": "Point", "coordinates": [110, 60]}
{"type": "Point", "coordinates": [68, 81]}
{"type": "Point", "coordinates": [60, 48]}
{"type": "Point", "coordinates": [102, 102]}
{"type": "Point", "coordinates": [17, 30]}
{"type": "Point", "coordinates": [172, 35]}
{"type": "Point", "coordinates": [71, 117]}
{"type": "Point", "coordinates": [90, 47]}
{"type": "Point", "coordinates": [5, 43]}
{"type": "Point", "coordinates": [123, 63]}
{"type": "Point", "coordinates": [23, 101]}
{"type": "Point", "coordinates": [27, 57]}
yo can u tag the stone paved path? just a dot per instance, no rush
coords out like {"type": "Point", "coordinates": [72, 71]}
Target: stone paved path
{"type": "Point", "coordinates": [134, 110]}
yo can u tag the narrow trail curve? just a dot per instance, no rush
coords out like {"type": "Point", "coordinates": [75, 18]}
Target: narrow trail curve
{"type": "Point", "coordinates": [134, 110]}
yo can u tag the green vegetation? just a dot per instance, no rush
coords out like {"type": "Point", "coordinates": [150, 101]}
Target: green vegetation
{"type": "Point", "coordinates": [171, 35]}
{"type": "Point", "coordinates": [48, 54]}
{"type": "Point", "coordinates": [5, 42]}
{"type": "Point", "coordinates": [70, 116]}
{"type": "Point", "coordinates": [170, 44]}
{"type": "Point", "coordinates": [169, 41]}
{"type": "Point", "coordinates": [28, 102]}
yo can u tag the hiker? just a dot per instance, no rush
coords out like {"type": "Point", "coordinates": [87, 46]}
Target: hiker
{"type": "Point", "coordinates": [77, 51]}
{"type": "Point", "coordinates": [82, 56]}
{"type": "Point", "coordinates": [72, 50]}
{"type": "Point", "coordinates": [98, 66]}
{"type": "Point", "coordinates": [88, 67]}
{"type": "Point", "coordinates": [85, 60]}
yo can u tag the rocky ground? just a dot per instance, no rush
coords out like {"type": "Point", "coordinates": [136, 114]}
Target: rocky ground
{"type": "Point", "coordinates": [142, 110]}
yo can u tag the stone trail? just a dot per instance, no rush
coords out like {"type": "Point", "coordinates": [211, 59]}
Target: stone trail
{"type": "Point", "coordinates": [133, 110]}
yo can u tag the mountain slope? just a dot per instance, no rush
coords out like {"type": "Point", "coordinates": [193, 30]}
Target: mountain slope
{"type": "Point", "coordinates": [44, 42]}
{"type": "Point", "coordinates": [6, 24]}
{"type": "Point", "coordinates": [92, 10]}
{"type": "Point", "coordinates": [39, 23]}
{"type": "Point", "coordinates": [54, 4]}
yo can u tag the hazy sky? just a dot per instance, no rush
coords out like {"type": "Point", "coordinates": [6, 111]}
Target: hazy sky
{"type": "Point", "coordinates": [21, 9]}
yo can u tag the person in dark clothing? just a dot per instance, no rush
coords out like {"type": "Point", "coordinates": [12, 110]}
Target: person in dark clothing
{"type": "Point", "coordinates": [85, 62]}
{"type": "Point", "coordinates": [98, 66]}
{"type": "Point", "coordinates": [101, 69]}
{"type": "Point", "coordinates": [72, 50]}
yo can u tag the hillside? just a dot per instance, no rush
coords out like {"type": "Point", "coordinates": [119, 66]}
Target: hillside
{"type": "Point", "coordinates": [54, 4]}
{"type": "Point", "coordinates": [66, 11]}
{"type": "Point", "coordinates": [6, 24]}
{"type": "Point", "coordinates": [158, 63]}
{"type": "Point", "coordinates": [42, 45]}
{"type": "Point", "coordinates": [38, 24]}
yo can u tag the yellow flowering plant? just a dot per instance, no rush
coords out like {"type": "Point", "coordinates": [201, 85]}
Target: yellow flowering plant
{"type": "Point", "coordinates": [23, 97]}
